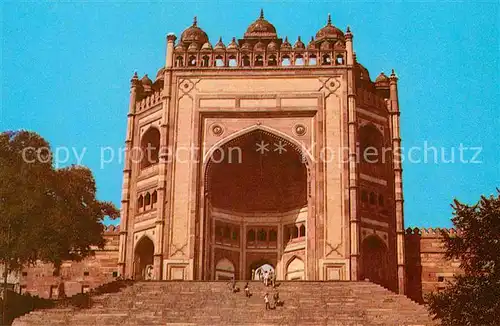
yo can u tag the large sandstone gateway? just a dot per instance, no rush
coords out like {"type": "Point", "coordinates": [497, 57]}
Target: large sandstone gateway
{"type": "Point", "coordinates": [252, 157]}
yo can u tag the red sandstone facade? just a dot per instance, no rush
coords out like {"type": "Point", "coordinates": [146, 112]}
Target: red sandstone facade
{"type": "Point", "coordinates": [315, 211]}
{"type": "Point", "coordinates": [73, 277]}
{"type": "Point", "coordinates": [280, 111]}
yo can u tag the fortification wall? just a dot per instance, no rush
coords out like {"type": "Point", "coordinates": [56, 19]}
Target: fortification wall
{"type": "Point", "coordinates": [427, 269]}
{"type": "Point", "coordinates": [74, 277]}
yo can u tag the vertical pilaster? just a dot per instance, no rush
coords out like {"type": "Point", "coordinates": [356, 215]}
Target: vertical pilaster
{"type": "Point", "coordinates": [125, 201]}
{"type": "Point", "coordinates": [353, 173]}
{"type": "Point", "coordinates": [398, 180]}
{"type": "Point", "coordinates": [163, 163]}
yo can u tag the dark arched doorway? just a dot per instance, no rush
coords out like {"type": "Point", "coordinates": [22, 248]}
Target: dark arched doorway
{"type": "Point", "coordinates": [143, 259]}
{"type": "Point", "coordinates": [374, 255]}
{"type": "Point", "coordinates": [254, 175]}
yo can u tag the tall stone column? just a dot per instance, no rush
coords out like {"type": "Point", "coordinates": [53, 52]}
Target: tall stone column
{"type": "Point", "coordinates": [163, 164]}
{"type": "Point", "coordinates": [125, 201]}
{"type": "Point", "coordinates": [398, 180]}
{"type": "Point", "coordinates": [353, 173]}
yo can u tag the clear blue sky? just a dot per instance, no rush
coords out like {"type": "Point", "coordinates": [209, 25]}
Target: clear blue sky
{"type": "Point", "coordinates": [66, 67]}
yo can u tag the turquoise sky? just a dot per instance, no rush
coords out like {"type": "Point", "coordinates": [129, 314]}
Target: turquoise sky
{"type": "Point", "coordinates": [66, 68]}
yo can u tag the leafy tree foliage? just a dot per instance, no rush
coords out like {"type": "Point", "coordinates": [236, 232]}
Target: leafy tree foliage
{"type": "Point", "coordinates": [46, 214]}
{"type": "Point", "coordinates": [473, 298]}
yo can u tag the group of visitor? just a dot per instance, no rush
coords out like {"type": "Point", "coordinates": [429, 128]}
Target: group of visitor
{"type": "Point", "coordinates": [269, 279]}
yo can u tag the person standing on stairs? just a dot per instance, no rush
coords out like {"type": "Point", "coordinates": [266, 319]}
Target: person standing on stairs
{"type": "Point", "coordinates": [266, 300]}
{"type": "Point", "coordinates": [247, 291]}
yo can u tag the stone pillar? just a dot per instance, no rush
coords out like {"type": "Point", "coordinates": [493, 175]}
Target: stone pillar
{"type": "Point", "coordinates": [398, 180]}
{"type": "Point", "coordinates": [353, 173]}
{"type": "Point", "coordinates": [125, 201]}
{"type": "Point", "coordinates": [163, 165]}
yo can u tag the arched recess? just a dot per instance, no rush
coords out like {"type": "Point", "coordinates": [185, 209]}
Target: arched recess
{"type": "Point", "coordinates": [150, 147]}
{"type": "Point", "coordinates": [143, 259]}
{"type": "Point", "coordinates": [375, 260]}
{"type": "Point", "coordinates": [224, 270]}
{"type": "Point", "coordinates": [249, 195]}
{"type": "Point", "coordinates": [373, 155]}
{"type": "Point", "coordinates": [295, 269]}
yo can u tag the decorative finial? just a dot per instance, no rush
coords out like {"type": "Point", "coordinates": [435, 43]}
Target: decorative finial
{"type": "Point", "coordinates": [220, 39]}
{"type": "Point", "coordinates": [393, 73]}
{"type": "Point", "coordinates": [234, 39]}
{"type": "Point", "coordinates": [195, 21]}
{"type": "Point", "coordinates": [312, 38]}
{"type": "Point", "coordinates": [135, 74]}
{"type": "Point", "coordinates": [298, 39]}
{"type": "Point", "coordinates": [261, 13]}
{"type": "Point", "coordinates": [329, 20]}
{"type": "Point", "coordinates": [348, 29]}
{"type": "Point", "coordinates": [286, 39]}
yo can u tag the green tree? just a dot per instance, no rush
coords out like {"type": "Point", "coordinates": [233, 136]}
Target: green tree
{"type": "Point", "coordinates": [46, 214]}
{"type": "Point", "coordinates": [473, 298]}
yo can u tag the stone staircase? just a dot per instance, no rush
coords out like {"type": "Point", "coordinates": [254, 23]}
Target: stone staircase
{"type": "Point", "coordinates": [212, 303]}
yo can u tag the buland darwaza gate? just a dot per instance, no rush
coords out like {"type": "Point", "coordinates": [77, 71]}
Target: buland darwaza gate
{"type": "Point", "coordinates": [267, 187]}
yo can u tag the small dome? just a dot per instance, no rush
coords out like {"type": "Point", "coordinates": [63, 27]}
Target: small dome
{"type": "Point", "coordinates": [160, 73]}
{"type": "Point", "coordinates": [193, 47]}
{"type": "Point", "coordinates": [312, 44]}
{"type": "Point", "coordinates": [362, 72]}
{"type": "Point", "coordinates": [220, 45]}
{"type": "Point", "coordinates": [180, 48]}
{"type": "Point", "coordinates": [233, 45]}
{"type": "Point", "coordinates": [286, 46]}
{"type": "Point", "coordinates": [272, 46]}
{"type": "Point", "coordinates": [259, 46]}
{"type": "Point", "coordinates": [299, 45]}
{"type": "Point", "coordinates": [146, 81]}
{"type": "Point", "coordinates": [206, 47]}
{"type": "Point", "coordinates": [194, 34]}
{"type": "Point", "coordinates": [382, 78]}
{"type": "Point", "coordinates": [261, 28]}
{"type": "Point", "coordinates": [329, 32]}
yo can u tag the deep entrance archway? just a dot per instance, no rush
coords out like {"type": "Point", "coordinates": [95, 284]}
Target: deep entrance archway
{"type": "Point", "coordinates": [254, 184]}
{"type": "Point", "coordinates": [143, 259]}
{"type": "Point", "coordinates": [374, 255]}
{"type": "Point", "coordinates": [257, 172]}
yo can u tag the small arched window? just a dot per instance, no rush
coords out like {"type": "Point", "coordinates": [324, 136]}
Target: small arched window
{"type": "Point", "coordinates": [313, 60]}
{"type": "Point", "coordinates": [273, 235]}
{"type": "Point", "coordinates": [150, 147]}
{"type": "Point", "coordinates": [245, 61]}
{"type": "Point", "coordinates": [251, 235]}
{"type": "Point", "coordinates": [339, 60]}
{"type": "Point", "coordinates": [192, 61]}
{"type": "Point", "coordinates": [326, 60]}
{"type": "Point", "coordinates": [299, 60]}
{"type": "Point", "coordinates": [381, 200]}
{"type": "Point", "coordinates": [259, 61]}
{"type": "Point", "coordinates": [232, 61]}
{"type": "Point", "coordinates": [227, 232]}
{"type": "Point", "coordinates": [154, 199]}
{"type": "Point", "coordinates": [295, 232]}
{"type": "Point", "coordinates": [302, 231]}
{"type": "Point", "coordinates": [364, 196]}
{"type": "Point", "coordinates": [219, 61]}
{"type": "Point", "coordinates": [140, 203]}
{"type": "Point", "coordinates": [234, 235]}
{"type": "Point", "coordinates": [205, 61]}
{"type": "Point", "coordinates": [147, 200]}
{"type": "Point", "coordinates": [285, 60]}
{"type": "Point", "coordinates": [179, 61]}
{"type": "Point", "coordinates": [271, 61]}
{"type": "Point", "coordinates": [262, 236]}
{"type": "Point", "coordinates": [373, 199]}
